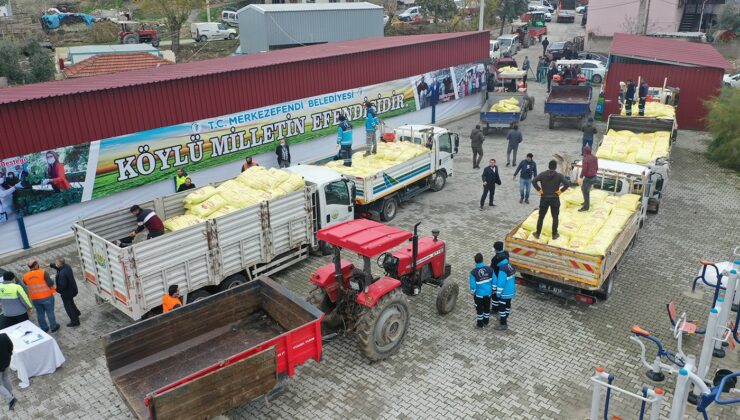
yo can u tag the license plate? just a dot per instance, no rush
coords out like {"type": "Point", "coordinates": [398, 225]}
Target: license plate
{"type": "Point", "coordinates": [551, 289]}
{"type": "Point", "coordinates": [354, 285]}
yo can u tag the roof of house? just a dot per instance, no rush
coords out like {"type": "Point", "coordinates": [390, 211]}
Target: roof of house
{"type": "Point", "coordinates": [667, 51]}
{"type": "Point", "coordinates": [309, 7]}
{"type": "Point", "coordinates": [114, 63]}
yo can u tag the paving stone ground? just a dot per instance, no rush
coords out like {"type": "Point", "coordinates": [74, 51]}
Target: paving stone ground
{"type": "Point", "coordinates": [539, 369]}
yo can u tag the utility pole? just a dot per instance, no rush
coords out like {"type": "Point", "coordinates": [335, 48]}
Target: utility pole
{"type": "Point", "coordinates": [481, 13]}
{"type": "Point", "coordinates": [647, 16]}
{"type": "Point", "coordinates": [208, 10]}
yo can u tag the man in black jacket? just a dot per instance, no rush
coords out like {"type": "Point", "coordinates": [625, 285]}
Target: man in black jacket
{"type": "Point", "coordinates": [283, 154]}
{"type": "Point", "coordinates": [629, 96]}
{"type": "Point", "coordinates": [6, 351]}
{"type": "Point", "coordinates": [490, 179]}
{"type": "Point", "coordinates": [67, 289]}
{"type": "Point", "coordinates": [553, 183]}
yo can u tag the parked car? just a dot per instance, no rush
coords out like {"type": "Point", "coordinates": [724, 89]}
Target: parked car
{"type": "Point", "coordinates": [594, 70]}
{"type": "Point", "coordinates": [562, 50]}
{"type": "Point", "coordinates": [732, 80]}
{"type": "Point", "coordinates": [585, 55]}
{"type": "Point", "coordinates": [542, 3]}
{"type": "Point", "coordinates": [541, 9]}
{"type": "Point", "coordinates": [581, 9]}
{"type": "Point", "coordinates": [410, 14]}
{"type": "Point", "coordinates": [494, 50]}
{"type": "Point", "coordinates": [509, 44]}
{"type": "Point", "coordinates": [229, 17]}
{"type": "Point", "coordinates": [207, 31]}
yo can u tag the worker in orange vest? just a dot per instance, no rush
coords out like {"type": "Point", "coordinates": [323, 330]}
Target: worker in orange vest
{"type": "Point", "coordinates": [171, 299]}
{"type": "Point", "coordinates": [248, 164]}
{"type": "Point", "coordinates": [41, 290]}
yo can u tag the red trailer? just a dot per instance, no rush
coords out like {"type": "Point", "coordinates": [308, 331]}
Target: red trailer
{"type": "Point", "coordinates": [215, 354]}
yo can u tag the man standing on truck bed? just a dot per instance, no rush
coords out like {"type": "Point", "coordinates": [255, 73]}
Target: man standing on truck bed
{"type": "Point", "coordinates": [550, 191]}
{"type": "Point", "coordinates": [629, 99]}
{"type": "Point", "coordinates": [490, 179]}
{"type": "Point", "coordinates": [589, 167]}
{"type": "Point", "coordinates": [344, 140]}
{"type": "Point", "coordinates": [476, 142]}
{"type": "Point", "coordinates": [371, 126]}
{"type": "Point", "coordinates": [147, 219]}
{"type": "Point", "coordinates": [642, 96]}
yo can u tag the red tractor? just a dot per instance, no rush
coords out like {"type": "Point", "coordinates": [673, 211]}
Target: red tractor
{"type": "Point", "coordinates": [375, 307]}
{"type": "Point", "coordinates": [137, 33]}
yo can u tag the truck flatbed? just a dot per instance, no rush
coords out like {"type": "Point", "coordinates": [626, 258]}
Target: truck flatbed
{"type": "Point", "coordinates": [493, 119]}
{"type": "Point", "coordinates": [569, 102]}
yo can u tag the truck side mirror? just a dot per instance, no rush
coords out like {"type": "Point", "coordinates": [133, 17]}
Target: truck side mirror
{"type": "Point", "coordinates": [457, 143]}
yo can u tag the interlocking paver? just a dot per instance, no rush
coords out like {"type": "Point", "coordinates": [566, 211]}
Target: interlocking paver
{"type": "Point", "coordinates": [445, 368]}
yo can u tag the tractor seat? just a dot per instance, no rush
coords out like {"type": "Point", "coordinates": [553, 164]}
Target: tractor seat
{"type": "Point", "coordinates": [705, 262]}
{"type": "Point", "coordinates": [689, 327]}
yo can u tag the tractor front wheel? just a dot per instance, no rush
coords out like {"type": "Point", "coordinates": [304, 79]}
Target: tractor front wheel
{"type": "Point", "coordinates": [447, 297]}
{"type": "Point", "coordinates": [155, 43]}
{"type": "Point", "coordinates": [318, 298]}
{"type": "Point", "coordinates": [131, 39]}
{"type": "Point", "coordinates": [381, 329]}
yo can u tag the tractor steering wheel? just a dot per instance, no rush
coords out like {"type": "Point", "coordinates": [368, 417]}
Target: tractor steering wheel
{"type": "Point", "coordinates": [382, 258]}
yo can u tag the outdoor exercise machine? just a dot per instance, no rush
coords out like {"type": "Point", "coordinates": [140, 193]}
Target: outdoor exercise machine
{"type": "Point", "coordinates": [714, 275]}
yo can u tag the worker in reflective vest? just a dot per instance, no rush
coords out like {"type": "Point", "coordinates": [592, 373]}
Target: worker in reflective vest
{"type": "Point", "coordinates": [171, 299]}
{"type": "Point", "coordinates": [41, 289]}
{"type": "Point", "coordinates": [248, 164]}
{"type": "Point", "coordinates": [180, 178]}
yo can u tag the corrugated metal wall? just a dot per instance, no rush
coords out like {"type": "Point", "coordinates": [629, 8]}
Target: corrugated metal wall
{"type": "Point", "coordinates": [697, 85]}
{"type": "Point", "coordinates": [283, 28]}
{"type": "Point", "coordinates": [41, 124]}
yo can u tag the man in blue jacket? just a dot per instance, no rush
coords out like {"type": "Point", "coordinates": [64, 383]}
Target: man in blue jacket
{"type": "Point", "coordinates": [505, 292]}
{"type": "Point", "coordinates": [371, 126]}
{"type": "Point", "coordinates": [528, 169]}
{"type": "Point", "coordinates": [344, 140]}
{"type": "Point", "coordinates": [481, 279]}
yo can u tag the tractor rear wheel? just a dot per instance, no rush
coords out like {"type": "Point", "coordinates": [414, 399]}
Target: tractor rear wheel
{"type": "Point", "coordinates": [381, 329]}
{"type": "Point", "coordinates": [131, 39]}
{"type": "Point", "coordinates": [318, 298]}
{"type": "Point", "coordinates": [447, 297]}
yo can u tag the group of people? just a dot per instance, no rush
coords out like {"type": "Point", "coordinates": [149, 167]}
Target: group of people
{"type": "Point", "coordinates": [627, 96]}
{"type": "Point", "coordinates": [344, 134]}
{"type": "Point", "coordinates": [493, 287]}
{"type": "Point", "coordinates": [35, 291]}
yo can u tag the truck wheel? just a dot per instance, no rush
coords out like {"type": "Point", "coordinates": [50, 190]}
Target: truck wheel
{"type": "Point", "coordinates": [198, 295]}
{"type": "Point", "coordinates": [232, 281]}
{"type": "Point", "coordinates": [551, 124]}
{"type": "Point", "coordinates": [382, 329]}
{"type": "Point", "coordinates": [596, 79]}
{"type": "Point", "coordinates": [447, 297]}
{"type": "Point", "coordinates": [606, 289]}
{"type": "Point", "coordinates": [203, 38]}
{"type": "Point", "coordinates": [439, 181]}
{"type": "Point", "coordinates": [531, 103]}
{"type": "Point", "coordinates": [524, 114]}
{"type": "Point", "coordinates": [155, 43]}
{"type": "Point", "coordinates": [232, 36]}
{"type": "Point", "coordinates": [131, 39]}
{"type": "Point", "coordinates": [390, 208]}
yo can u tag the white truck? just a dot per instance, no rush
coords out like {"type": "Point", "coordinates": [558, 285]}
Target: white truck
{"type": "Point", "coordinates": [659, 169]}
{"type": "Point", "coordinates": [259, 240]}
{"type": "Point", "coordinates": [570, 274]}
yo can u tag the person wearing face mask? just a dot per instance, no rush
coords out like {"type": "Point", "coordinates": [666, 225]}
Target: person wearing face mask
{"type": "Point", "coordinates": [8, 185]}
{"type": "Point", "coordinates": [283, 154]}
{"type": "Point", "coordinates": [55, 173]}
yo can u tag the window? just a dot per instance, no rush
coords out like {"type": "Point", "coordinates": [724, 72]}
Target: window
{"type": "Point", "coordinates": [222, 26]}
{"type": "Point", "coordinates": [588, 66]}
{"type": "Point", "coordinates": [445, 143]}
{"type": "Point", "coordinates": [337, 193]}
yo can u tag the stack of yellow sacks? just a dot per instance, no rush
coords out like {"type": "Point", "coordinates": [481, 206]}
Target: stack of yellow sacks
{"type": "Point", "coordinates": [507, 69]}
{"type": "Point", "coordinates": [590, 232]}
{"type": "Point", "coordinates": [626, 146]}
{"type": "Point", "coordinates": [253, 186]}
{"type": "Point", "coordinates": [506, 105]}
{"type": "Point", "coordinates": [388, 154]}
{"type": "Point", "coordinates": [654, 109]}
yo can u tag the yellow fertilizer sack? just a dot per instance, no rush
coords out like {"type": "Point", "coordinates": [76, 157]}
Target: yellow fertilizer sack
{"type": "Point", "coordinates": [645, 154]}
{"type": "Point", "coordinates": [173, 224]}
{"type": "Point", "coordinates": [618, 218]}
{"type": "Point", "coordinates": [576, 244]}
{"type": "Point", "coordinates": [572, 196]}
{"type": "Point", "coordinates": [568, 227]}
{"type": "Point", "coordinates": [530, 223]}
{"type": "Point", "coordinates": [597, 247]}
{"type": "Point", "coordinates": [293, 183]}
{"type": "Point", "coordinates": [521, 234]}
{"type": "Point", "coordinates": [631, 157]}
{"type": "Point", "coordinates": [198, 196]}
{"type": "Point", "coordinates": [607, 234]}
{"type": "Point", "coordinates": [628, 201]}
{"type": "Point", "coordinates": [226, 209]}
{"type": "Point", "coordinates": [204, 209]}
{"type": "Point", "coordinates": [605, 151]}
{"type": "Point", "coordinates": [544, 238]}
{"type": "Point", "coordinates": [561, 242]}
{"type": "Point", "coordinates": [634, 144]}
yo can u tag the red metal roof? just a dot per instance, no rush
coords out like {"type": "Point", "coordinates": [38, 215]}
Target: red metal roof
{"type": "Point", "coordinates": [667, 51]}
{"type": "Point", "coordinates": [74, 111]}
{"type": "Point", "coordinates": [364, 237]}
{"type": "Point", "coordinates": [114, 63]}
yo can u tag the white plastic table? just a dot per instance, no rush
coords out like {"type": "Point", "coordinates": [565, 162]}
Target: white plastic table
{"type": "Point", "coordinates": [35, 352]}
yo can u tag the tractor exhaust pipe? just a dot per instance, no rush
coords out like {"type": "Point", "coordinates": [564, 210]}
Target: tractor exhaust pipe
{"type": "Point", "coordinates": [415, 247]}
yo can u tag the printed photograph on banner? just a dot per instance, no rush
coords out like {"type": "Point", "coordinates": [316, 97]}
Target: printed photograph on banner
{"type": "Point", "coordinates": [470, 79]}
{"type": "Point", "coordinates": [133, 160]}
{"type": "Point", "coordinates": [434, 84]}
{"type": "Point", "coordinates": [42, 181]}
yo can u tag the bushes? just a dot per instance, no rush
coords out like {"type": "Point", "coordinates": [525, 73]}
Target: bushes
{"type": "Point", "coordinates": [724, 125]}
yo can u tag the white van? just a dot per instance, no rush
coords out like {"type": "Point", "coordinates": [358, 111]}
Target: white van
{"type": "Point", "coordinates": [494, 50]}
{"type": "Point", "coordinates": [207, 31]}
{"type": "Point", "coordinates": [229, 17]}
{"type": "Point", "coordinates": [508, 44]}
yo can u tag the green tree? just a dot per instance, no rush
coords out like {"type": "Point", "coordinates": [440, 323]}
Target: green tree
{"type": "Point", "coordinates": [729, 18]}
{"type": "Point", "coordinates": [28, 63]}
{"type": "Point", "coordinates": [176, 13]}
{"type": "Point", "coordinates": [725, 128]}
{"type": "Point", "coordinates": [10, 67]}
{"type": "Point", "coordinates": [509, 10]}
{"type": "Point", "coordinates": [438, 9]}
